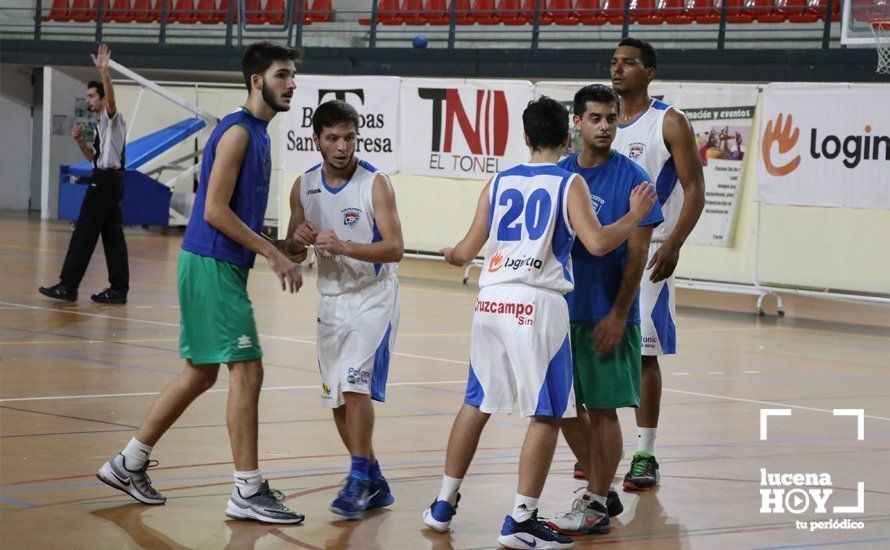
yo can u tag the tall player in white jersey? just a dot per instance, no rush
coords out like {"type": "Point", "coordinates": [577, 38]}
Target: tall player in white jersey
{"type": "Point", "coordinates": [346, 208]}
{"type": "Point", "coordinates": [527, 217]}
{"type": "Point", "coordinates": [660, 139]}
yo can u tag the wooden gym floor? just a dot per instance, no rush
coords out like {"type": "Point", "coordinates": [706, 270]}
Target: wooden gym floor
{"type": "Point", "coordinates": [76, 380]}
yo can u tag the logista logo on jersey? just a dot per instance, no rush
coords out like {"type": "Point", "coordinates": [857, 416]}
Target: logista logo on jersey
{"type": "Point", "coordinates": [784, 135]}
{"type": "Point", "coordinates": [498, 261]}
{"type": "Point", "coordinates": [483, 132]}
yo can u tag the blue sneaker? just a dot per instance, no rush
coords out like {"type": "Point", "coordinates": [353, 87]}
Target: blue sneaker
{"type": "Point", "coordinates": [379, 495]}
{"type": "Point", "coordinates": [352, 498]}
{"type": "Point", "coordinates": [438, 516]}
{"type": "Point", "coordinates": [532, 533]}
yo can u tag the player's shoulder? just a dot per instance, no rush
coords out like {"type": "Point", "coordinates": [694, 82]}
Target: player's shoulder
{"type": "Point", "coordinates": [569, 163]}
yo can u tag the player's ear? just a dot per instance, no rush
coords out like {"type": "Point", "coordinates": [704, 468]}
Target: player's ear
{"type": "Point", "coordinates": [576, 120]}
{"type": "Point", "coordinates": [528, 142]}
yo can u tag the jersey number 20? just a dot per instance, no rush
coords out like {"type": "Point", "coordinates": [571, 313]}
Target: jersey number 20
{"type": "Point", "coordinates": [537, 214]}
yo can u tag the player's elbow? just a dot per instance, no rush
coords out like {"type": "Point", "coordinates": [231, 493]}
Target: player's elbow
{"type": "Point", "coordinates": [398, 251]}
{"type": "Point", "coordinates": [596, 248]}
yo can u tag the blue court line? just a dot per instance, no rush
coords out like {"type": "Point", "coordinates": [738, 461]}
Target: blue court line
{"type": "Point", "coordinates": [7, 500]}
{"type": "Point", "coordinates": [833, 543]}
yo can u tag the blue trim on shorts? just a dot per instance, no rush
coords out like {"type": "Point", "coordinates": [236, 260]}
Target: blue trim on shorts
{"type": "Point", "coordinates": [554, 395]}
{"type": "Point", "coordinates": [663, 323]}
{"type": "Point", "coordinates": [475, 394]}
{"type": "Point", "coordinates": [381, 367]}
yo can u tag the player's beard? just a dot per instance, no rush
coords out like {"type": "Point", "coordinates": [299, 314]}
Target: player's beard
{"type": "Point", "coordinates": [276, 105]}
{"type": "Point", "coordinates": [345, 165]}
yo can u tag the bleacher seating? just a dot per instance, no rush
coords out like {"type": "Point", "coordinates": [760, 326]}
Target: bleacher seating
{"type": "Point", "coordinates": [468, 12]}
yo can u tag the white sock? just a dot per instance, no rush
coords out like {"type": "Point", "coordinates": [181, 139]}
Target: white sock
{"type": "Point", "coordinates": [448, 492]}
{"type": "Point", "coordinates": [598, 498]}
{"type": "Point", "coordinates": [248, 483]}
{"type": "Point", "coordinates": [523, 507]}
{"type": "Point", "coordinates": [136, 454]}
{"type": "Point", "coordinates": [587, 496]}
{"type": "Point", "coordinates": [646, 439]}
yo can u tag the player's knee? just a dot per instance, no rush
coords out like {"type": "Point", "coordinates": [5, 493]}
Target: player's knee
{"type": "Point", "coordinates": [201, 380]}
{"type": "Point", "coordinates": [601, 416]}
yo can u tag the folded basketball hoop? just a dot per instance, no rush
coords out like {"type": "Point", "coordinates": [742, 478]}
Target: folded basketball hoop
{"type": "Point", "coordinates": [881, 29]}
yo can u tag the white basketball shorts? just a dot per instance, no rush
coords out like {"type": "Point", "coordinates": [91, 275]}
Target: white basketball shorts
{"type": "Point", "coordinates": [520, 352]}
{"type": "Point", "coordinates": [657, 312]}
{"type": "Point", "coordinates": [356, 333]}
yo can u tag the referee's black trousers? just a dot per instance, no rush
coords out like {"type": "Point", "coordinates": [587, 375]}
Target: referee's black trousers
{"type": "Point", "coordinates": [100, 214]}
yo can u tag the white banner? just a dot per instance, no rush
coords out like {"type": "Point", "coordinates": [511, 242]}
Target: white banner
{"type": "Point", "coordinates": [468, 129]}
{"type": "Point", "coordinates": [721, 116]}
{"type": "Point", "coordinates": [375, 98]}
{"type": "Point", "coordinates": [825, 145]}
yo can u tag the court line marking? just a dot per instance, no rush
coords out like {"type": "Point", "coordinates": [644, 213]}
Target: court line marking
{"type": "Point", "coordinates": [284, 338]}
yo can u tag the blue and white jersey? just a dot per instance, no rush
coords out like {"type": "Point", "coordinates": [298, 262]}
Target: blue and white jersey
{"type": "Point", "coordinates": [349, 211]}
{"type": "Point", "coordinates": [642, 141]}
{"type": "Point", "coordinates": [529, 236]}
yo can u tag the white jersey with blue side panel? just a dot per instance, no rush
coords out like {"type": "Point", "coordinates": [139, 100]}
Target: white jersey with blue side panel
{"type": "Point", "coordinates": [529, 236]}
{"type": "Point", "coordinates": [643, 142]}
{"type": "Point", "coordinates": [349, 211]}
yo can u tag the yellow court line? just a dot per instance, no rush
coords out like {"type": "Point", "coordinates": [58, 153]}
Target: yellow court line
{"type": "Point", "coordinates": [84, 341]}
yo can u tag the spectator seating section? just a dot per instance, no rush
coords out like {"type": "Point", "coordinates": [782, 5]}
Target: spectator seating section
{"type": "Point", "coordinates": [467, 12]}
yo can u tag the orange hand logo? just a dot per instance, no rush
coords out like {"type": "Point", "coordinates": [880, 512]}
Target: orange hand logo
{"type": "Point", "coordinates": [495, 263]}
{"type": "Point", "coordinates": [785, 139]}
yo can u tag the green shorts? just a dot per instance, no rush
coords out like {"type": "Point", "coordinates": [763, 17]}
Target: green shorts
{"type": "Point", "coordinates": [611, 380]}
{"type": "Point", "coordinates": [216, 317]}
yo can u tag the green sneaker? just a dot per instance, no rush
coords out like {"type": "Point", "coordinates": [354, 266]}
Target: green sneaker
{"type": "Point", "coordinates": [643, 474]}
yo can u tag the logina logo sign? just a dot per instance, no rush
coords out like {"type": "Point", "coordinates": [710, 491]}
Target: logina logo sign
{"type": "Point", "coordinates": [852, 149]}
{"type": "Point", "coordinates": [480, 127]}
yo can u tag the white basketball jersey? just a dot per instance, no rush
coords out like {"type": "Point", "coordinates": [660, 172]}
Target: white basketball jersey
{"type": "Point", "coordinates": [643, 142]}
{"type": "Point", "coordinates": [349, 211]}
{"type": "Point", "coordinates": [529, 236]}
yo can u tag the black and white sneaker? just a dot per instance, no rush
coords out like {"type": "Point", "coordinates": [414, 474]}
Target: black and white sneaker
{"type": "Point", "coordinates": [264, 506]}
{"type": "Point", "coordinates": [135, 483]}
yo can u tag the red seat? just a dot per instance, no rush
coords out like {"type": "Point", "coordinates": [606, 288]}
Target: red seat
{"type": "Point", "coordinates": [81, 11]}
{"type": "Point", "coordinates": [206, 11]}
{"type": "Point", "coordinates": [437, 12]}
{"type": "Point", "coordinates": [703, 12]}
{"type": "Point", "coordinates": [835, 10]}
{"type": "Point", "coordinates": [614, 11]}
{"type": "Point", "coordinates": [463, 13]}
{"type": "Point", "coordinates": [183, 11]}
{"type": "Point", "coordinates": [276, 12]}
{"type": "Point", "coordinates": [387, 13]}
{"type": "Point", "coordinates": [764, 11]}
{"type": "Point", "coordinates": [562, 12]}
{"type": "Point", "coordinates": [61, 11]}
{"type": "Point", "coordinates": [798, 11]}
{"type": "Point", "coordinates": [119, 12]}
{"type": "Point", "coordinates": [413, 13]}
{"type": "Point", "coordinates": [589, 12]}
{"type": "Point", "coordinates": [737, 13]}
{"type": "Point", "coordinates": [484, 13]}
{"type": "Point", "coordinates": [674, 12]}
{"type": "Point", "coordinates": [143, 12]}
{"type": "Point", "coordinates": [511, 12]}
{"type": "Point", "coordinates": [645, 13]}
{"type": "Point", "coordinates": [322, 11]}
{"type": "Point", "coordinates": [544, 17]}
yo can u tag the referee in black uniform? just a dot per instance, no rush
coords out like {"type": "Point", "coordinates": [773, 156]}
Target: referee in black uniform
{"type": "Point", "coordinates": [100, 213]}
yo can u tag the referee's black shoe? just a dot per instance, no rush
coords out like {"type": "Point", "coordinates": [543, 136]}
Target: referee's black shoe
{"type": "Point", "coordinates": [110, 296]}
{"type": "Point", "coordinates": [59, 292]}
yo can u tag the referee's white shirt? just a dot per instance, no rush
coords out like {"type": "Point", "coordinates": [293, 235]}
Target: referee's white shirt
{"type": "Point", "coordinates": [112, 133]}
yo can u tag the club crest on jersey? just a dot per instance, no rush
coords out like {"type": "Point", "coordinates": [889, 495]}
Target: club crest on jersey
{"type": "Point", "coordinates": [636, 150]}
{"type": "Point", "coordinates": [351, 216]}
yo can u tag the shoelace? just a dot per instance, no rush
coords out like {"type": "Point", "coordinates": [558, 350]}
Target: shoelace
{"type": "Point", "coordinates": [144, 470]}
{"type": "Point", "coordinates": [639, 465]}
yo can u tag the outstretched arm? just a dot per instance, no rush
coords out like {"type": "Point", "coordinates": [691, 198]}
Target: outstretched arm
{"type": "Point", "coordinates": [391, 246]}
{"type": "Point", "coordinates": [599, 240]}
{"type": "Point", "coordinates": [680, 140]}
{"type": "Point", "coordinates": [100, 60]}
{"type": "Point", "coordinates": [469, 247]}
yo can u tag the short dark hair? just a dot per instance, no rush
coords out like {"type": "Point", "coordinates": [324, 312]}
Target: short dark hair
{"type": "Point", "coordinates": [333, 112]}
{"type": "Point", "coordinates": [546, 123]}
{"type": "Point", "coordinates": [100, 89]}
{"type": "Point", "coordinates": [647, 52]}
{"type": "Point", "coordinates": [260, 55]}
{"type": "Point", "coordinates": [597, 93]}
